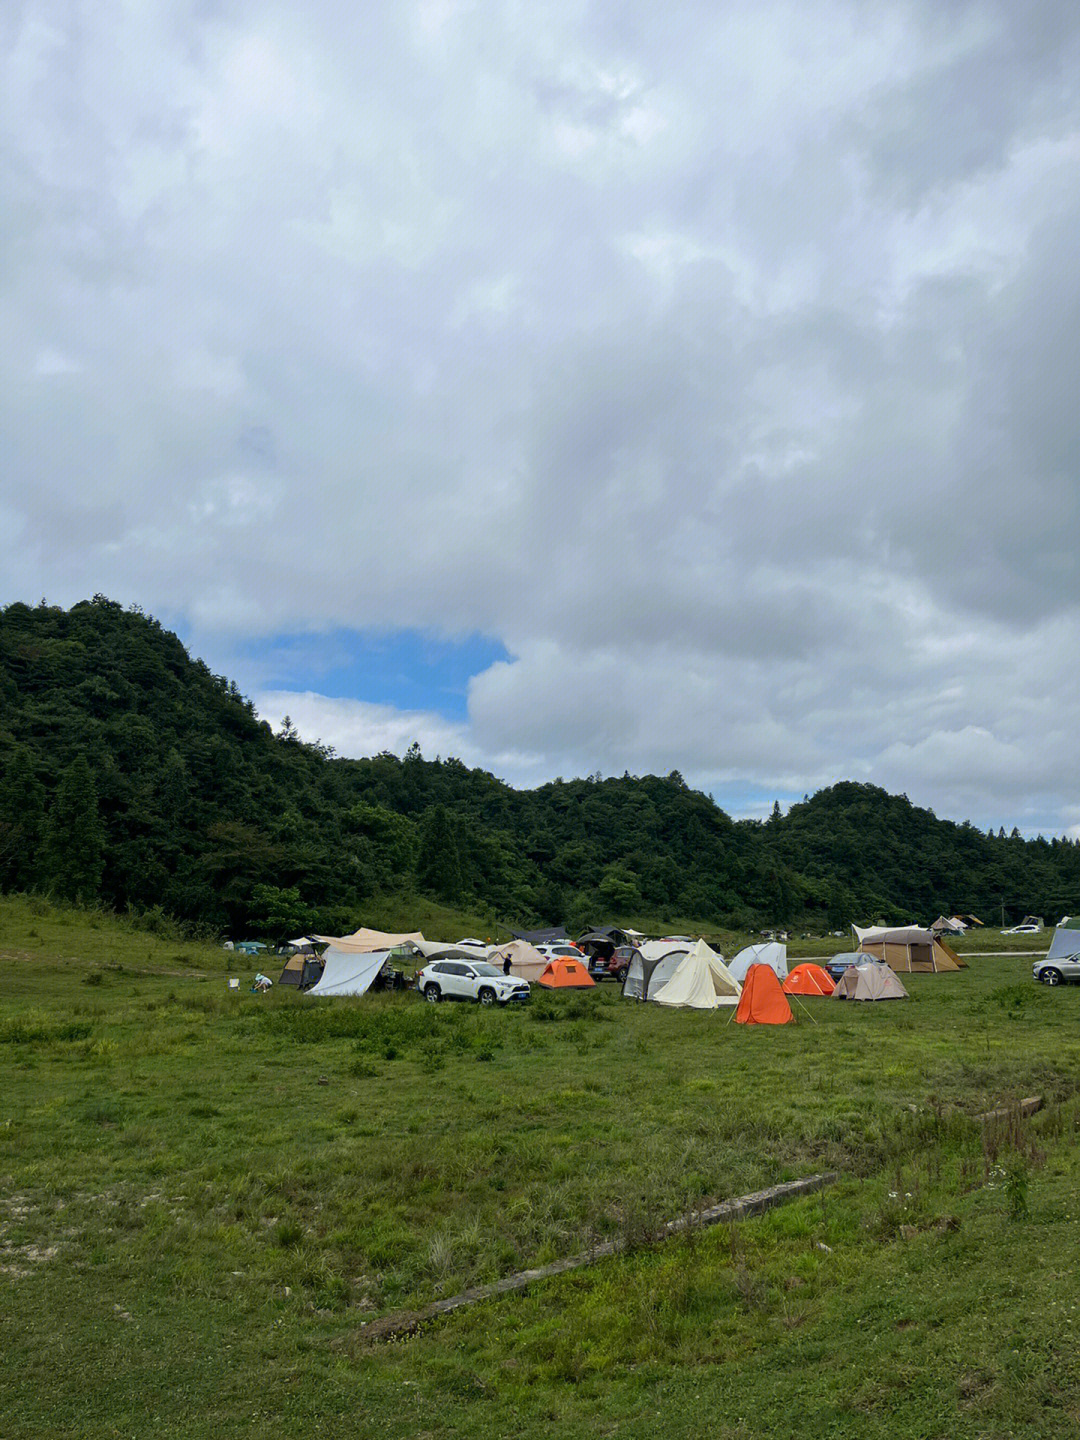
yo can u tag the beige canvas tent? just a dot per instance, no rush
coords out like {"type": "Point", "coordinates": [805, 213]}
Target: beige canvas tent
{"type": "Point", "coordinates": [363, 941]}
{"type": "Point", "coordinates": [526, 962]}
{"type": "Point", "coordinates": [701, 982]}
{"type": "Point", "coordinates": [869, 982]}
{"type": "Point", "coordinates": [907, 948]}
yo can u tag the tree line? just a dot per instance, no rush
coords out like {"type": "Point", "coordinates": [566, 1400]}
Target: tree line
{"type": "Point", "coordinates": [132, 776]}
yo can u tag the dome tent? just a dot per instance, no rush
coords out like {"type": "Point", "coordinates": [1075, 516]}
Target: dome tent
{"type": "Point", "coordinates": [869, 982]}
{"type": "Point", "coordinates": [808, 980]}
{"type": "Point", "coordinates": [772, 953]}
{"type": "Point", "coordinates": [646, 975]}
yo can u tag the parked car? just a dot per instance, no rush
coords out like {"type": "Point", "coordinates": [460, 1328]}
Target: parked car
{"type": "Point", "coordinates": [839, 963]}
{"type": "Point", "coordinates": [1024, 930]}
{"type": "Point", "coordinates": [1054, 972]}
{"type": "Point", "coordinates": [470, 980]}
{"type": "Point", "coordinates": [616, 967]}
{"type": "Point", "coordinates": [560, 950]}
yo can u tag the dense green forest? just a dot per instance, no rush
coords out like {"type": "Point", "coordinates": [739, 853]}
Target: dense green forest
{"type": "Point", "coordinates": [132, 776]}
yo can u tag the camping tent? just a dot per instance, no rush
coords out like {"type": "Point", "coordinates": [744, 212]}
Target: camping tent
{"type": "Point", "coordinates": [443, 950]}
{"type": "Point", "coordinates": [526, 962]}
{"type": "Point", "coordinates": [907, 948]}
{"type": "Point", "coordinates": [541, 937]}
{"type": "Point", "coordinates": [948, 925]}
{"type": "Point", "coordinates": [646, 974]}
{"type": "Point", "coordinates": [701, 982]}
{"type": "Point", "coordinates": [772, 953]}
{"type": "Point", "coordinates": [364, 940]}
{"type": "Point", "coordinates": [562, 973]}
{"type": "Point", "coordinates": [762, 1001]}
{"type": "Point", "coordinates": [869, 982]}
{"type": "Point", "coordinates": [1066, 939]}
{"type": "Point", "coordinates": [808, 980]}
{"type": "Point", "coordinates": [349, 972]}
{"type": "Point", "coordinates": [653, 949]}
{"type": "Point", "coordinates": [302, 970]}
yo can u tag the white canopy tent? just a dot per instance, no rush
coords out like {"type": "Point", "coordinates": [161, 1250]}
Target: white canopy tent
{"type": "Point", "coordinates": [349, 972]}
{"type": "Point", "coordinates": [701, 982]}
{"type": "Point", "coordinates": [770, 952]}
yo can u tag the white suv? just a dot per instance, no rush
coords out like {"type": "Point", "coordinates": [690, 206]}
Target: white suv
{"type": "Point", "coordinates": [470, 980]}
{"type": "Point", "coordinates": [561, 950]}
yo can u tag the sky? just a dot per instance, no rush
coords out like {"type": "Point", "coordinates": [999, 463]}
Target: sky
{"type": "Point", "coordinates": [572, 388]}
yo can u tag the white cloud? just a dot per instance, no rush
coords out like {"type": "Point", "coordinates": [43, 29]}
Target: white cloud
{"type": "Point", "coordinates": [719, 362]}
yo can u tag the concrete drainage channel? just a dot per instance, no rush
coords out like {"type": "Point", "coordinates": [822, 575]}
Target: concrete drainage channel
{"type": "Point", "coordinates": [407, 1322]}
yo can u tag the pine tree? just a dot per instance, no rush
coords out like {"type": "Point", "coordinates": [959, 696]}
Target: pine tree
{"type": "Point", "coordinates": [22, 813]}
{"type": "Point", "coordinates": [438, 864]}
{"type": "Point", "coordinates": [75, 836]}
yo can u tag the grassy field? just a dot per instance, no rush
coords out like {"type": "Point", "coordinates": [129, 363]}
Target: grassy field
{"type": "Point", "coordinates": [204, 1195]}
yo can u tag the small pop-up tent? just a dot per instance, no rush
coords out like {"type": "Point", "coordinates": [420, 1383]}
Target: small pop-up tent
{"type": "Point", "coordinates": [701, 982]}
{"type": "Point", "coordinates": [526, 962]}
{"type": "Point", "coordinates": [869, 982]}
{"type": "Point", "coordinates": [303, 970]}
{"type": "Point", "coordinates": [562, 973]}
{"type": "Point", "coordinates": [645, 975]}
{"type": "Point", "coordinates": [907, 948]}
{"type": "Point", "coordinates": [808, 980]}
{"type": "Point", "coordinates": [762, 1001]}
{"type": "Point", "coordinates": [771, 952]}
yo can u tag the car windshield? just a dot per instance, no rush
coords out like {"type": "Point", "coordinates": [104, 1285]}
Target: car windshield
{"type": "Point", "coordinates": [485, 969]}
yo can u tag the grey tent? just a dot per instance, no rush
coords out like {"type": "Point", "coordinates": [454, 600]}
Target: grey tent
{"type": "Point", "coordinates": [541, 937]}
{"type": "Point", "coordinates": [645, 976]}
{"type": "Point", "coordinates": [303, 970]}
{"type": "Point", "coordinates": [1066, 939]}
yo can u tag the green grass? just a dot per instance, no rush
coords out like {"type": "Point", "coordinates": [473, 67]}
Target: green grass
{"type": "Point", "coordinates": [193, 1226]}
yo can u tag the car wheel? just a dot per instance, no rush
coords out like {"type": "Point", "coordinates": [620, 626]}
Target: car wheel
{"type": "Point", "coordinates": [1051, 977]}
{"type": "Point", "coordinates": [620, 975]}
{"type": "Point", "coordinates": [486, 996]}
{"type": "Point", "coordinates": [432, 994]}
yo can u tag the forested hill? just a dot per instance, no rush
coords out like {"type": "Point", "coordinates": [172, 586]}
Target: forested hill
{"type": "Point", "coordinates": [131, 775]}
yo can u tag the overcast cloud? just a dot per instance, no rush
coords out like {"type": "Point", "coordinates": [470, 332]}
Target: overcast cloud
{"type": "Point", "coordinates": [722, 365]}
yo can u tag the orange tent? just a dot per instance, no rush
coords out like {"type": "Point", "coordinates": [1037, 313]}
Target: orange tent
{"type": "Point", "coordinates": [808, 980]}
{"type": "Point", "coordinates": [563, 973]}
{"type": "Point", "coordinates": [762, 1001]}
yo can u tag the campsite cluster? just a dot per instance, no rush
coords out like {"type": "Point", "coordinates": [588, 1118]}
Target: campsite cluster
{"type": "Point", "coordinates": [676, 971]}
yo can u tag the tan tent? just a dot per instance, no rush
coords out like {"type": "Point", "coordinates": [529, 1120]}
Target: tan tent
{"type": "Point", "coordinates": [907, 948]}
{"type": "Point", "coordinates": [869, 982]}
{"type": "Point", "coordinates": [701, 982]}
{"type": "Point", "coordinates": [526, 962]}
{"type": "Point", "coordinates": [363, 941]}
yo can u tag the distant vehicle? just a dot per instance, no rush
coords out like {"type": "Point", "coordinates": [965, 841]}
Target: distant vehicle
{"type": "Point", "coordinates": [1056, 972]}
{"type": "Point", "coordinates": [470, 980]}
{"type": "Point", "coordinates": [1024, 930]}
{"type": "Point", "coordinates": [560, 950]}
{"type": "Point", "coordinates": [839, 963]}
{"type": "Point", "coordinates": [615, 966]}
{"type": "Point", "coordinates": [471, 944]}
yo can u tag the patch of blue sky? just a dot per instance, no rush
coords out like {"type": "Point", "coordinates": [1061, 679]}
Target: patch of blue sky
{"type": "Point", "coordinates": [746, 801]}
{"type": "Point", "coordinates": [408, 669]}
